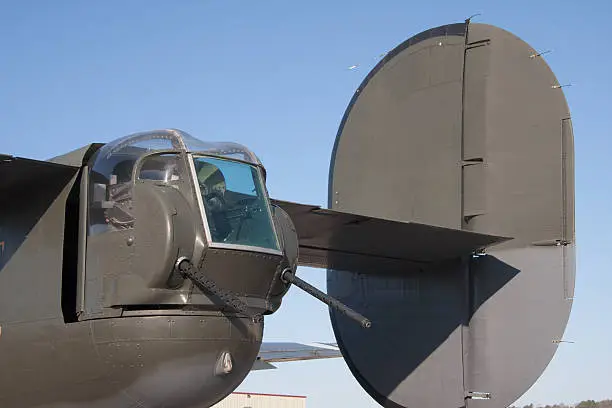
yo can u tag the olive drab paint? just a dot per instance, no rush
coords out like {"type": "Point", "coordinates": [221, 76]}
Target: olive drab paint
{"type": "Point", "coordinates": [461, 126]}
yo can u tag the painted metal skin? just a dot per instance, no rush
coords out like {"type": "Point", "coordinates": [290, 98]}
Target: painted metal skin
{"type": "Point", "coordinates": [462, 126]}
{"type": "Point", "coordinates": [84, 318]}
{"type": "Point", "coordinates": [451, 227]}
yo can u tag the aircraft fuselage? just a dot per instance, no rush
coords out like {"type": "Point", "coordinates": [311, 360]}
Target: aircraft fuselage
{"type": "Point", "coordinates": [94, 310]}
{"type": "Point", "coordinates": [146, 358]}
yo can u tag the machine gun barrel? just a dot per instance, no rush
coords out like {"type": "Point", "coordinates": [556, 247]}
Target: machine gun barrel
{"type": "Point", "coordinates": [289, 276]}
{"type": "Point", "coordinates": [188, 270]}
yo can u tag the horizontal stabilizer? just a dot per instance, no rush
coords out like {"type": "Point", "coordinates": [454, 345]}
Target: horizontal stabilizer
{"type": "Point", "coordinates": [17, 173]}
{"type": "Point", "coordinates": [279, 352]}
{"type": "Point", "coordinates": [344, 241]}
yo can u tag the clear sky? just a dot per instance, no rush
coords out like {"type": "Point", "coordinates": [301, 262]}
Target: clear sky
{"type": "Point", "coordinates": [273, 75]}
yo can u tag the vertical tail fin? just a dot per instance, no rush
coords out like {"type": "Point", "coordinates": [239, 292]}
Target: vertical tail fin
{"type": "Point", "coordinates": [458, 127]}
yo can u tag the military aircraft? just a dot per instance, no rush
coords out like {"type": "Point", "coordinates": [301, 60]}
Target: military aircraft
{"type": "Point", "coordinates": [138, 273]}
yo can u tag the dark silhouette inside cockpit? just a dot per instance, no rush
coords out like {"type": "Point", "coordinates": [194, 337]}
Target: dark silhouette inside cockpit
{"type": "Point", "coordinates": [234, 200]}
{"type": "Point", "coordinates": [213, 188]}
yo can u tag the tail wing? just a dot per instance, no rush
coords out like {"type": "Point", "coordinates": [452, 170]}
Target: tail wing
{"type": "Point", "coordinates": [344, 241]}
{"type": "Point", "coordinates": [278, 352]}
{"type": "Point", "coordinates": [18, 174]}
{"type": "Point", "coordinates": [461, 126]}
{"type": "Point", "coordinates": [27, 189]}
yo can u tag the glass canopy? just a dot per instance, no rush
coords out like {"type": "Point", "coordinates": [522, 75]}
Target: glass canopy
{"type": "Point", "coordinates": [174, 139]}
{"type": "Point", "coordinates": [228, 177]}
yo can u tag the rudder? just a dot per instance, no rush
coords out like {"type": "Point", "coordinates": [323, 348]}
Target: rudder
{"type": "Point", "coordinates": [462, 126]}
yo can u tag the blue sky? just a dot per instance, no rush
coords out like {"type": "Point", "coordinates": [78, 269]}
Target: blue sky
{"type": "Point", "coordinates": [273, 76]}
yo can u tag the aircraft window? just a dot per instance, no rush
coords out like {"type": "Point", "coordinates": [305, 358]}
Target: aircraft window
{"type": "Point", "coordinates": [111, 177]}
{"type": "Point", "coordinates": [164, 167]}
{"type": "Point", "coordinates": [235, 202]}
{"type": "Point", "coordinates": [111, 194]}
